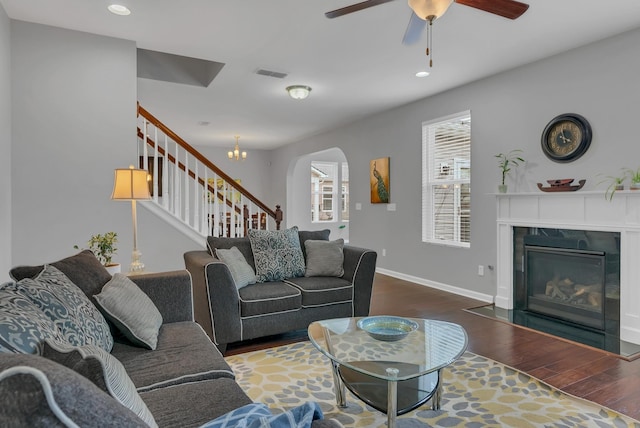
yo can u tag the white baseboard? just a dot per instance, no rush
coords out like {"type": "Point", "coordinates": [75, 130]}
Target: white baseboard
{"type": "Point", "coordinates": [437, 285]}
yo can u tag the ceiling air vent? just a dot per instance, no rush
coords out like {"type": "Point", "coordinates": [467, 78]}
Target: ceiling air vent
{"type": "Point", "coordinates": [276, 74]}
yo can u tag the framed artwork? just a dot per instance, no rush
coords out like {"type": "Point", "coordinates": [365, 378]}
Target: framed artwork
{"type": "Point", "coordinates": [379, 179]}
{"type": "Point", "coordinates": [152, 173]}
{"type": "Point", "coordinates": [222, 187]}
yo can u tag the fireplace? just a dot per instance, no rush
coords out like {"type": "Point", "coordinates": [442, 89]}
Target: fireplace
{"type": "Point", "coordinates": [570, 277]}
{"type": "Point", "coordinates": [566, 284]}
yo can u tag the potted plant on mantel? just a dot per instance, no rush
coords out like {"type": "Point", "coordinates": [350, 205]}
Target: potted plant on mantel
{"type": "Point", "coordinates": [634, 176]}
{"type": "Point", "coordinates": [505, 162]}
{"type": "Point", "coordinates": [104, 247]}
{"type": "Point", "coordinates": [615, 184]}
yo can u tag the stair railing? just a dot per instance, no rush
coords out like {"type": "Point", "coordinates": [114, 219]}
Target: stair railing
{"type": "Point", "coordinates": [193, 189]}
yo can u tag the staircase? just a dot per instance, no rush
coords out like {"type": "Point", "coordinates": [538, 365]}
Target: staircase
{"type": "Point", "coordinates": [190, 192]}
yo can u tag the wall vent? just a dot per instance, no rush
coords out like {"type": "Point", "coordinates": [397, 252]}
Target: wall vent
{"type": "Point", "coordinates": [276, 74]}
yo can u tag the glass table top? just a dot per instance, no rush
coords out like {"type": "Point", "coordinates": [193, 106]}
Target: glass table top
{"type": "Point", "coordinates": [432, 346]}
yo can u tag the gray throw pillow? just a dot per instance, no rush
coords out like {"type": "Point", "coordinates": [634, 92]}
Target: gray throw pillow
{"type": "Point", "coordinates": [277, 254]}
{"type": "Point", "coordinates": [79, 321]}
{"type": "Point", "coordinates": [324, 258]}
{"type": "Point", "coordinates": [241, 272]}
{"type": "Point", "coordinates": [83, 269]}
{"type": "Point", "coordinates": [104, 370]}
{"type": "Point", "coordinates": [131, 311]}
{"type": "Point", "coordinates": [23, 326]}
{"type": "Point", "coordinates": [37, 392]}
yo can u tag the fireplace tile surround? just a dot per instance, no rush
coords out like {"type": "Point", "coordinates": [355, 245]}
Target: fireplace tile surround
{"type": "Point", "coordinates": [585, 211]}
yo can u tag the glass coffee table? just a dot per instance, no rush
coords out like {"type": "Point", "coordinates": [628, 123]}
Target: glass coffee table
{"type": "Point", "coordinates": [391, 374]}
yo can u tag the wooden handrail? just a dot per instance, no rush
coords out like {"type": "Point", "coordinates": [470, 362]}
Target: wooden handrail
{"type": "Point", "coordinates": [193, 152]}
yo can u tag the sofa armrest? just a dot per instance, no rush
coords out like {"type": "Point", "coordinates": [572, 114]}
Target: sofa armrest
{"type": "Point", "coordinates": [216, 299]}
{"type": "Point", "coordinates": [360, 268]}
{"type": "Point", "coordinates": [171, 292]}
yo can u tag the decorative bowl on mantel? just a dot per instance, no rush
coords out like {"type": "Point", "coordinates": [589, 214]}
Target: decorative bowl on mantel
{"type": "Point", "coordinates": [562, 185]}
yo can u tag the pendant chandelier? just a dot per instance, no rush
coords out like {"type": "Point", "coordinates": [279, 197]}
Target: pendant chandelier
{"type": "Point", "coordinates": [236, 154]}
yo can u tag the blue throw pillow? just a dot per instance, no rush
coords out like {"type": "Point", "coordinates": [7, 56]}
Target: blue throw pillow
{"type": "Point", "coordinates": [79, 321]}
{"type": "Point", "coordinates": [23, 326]}
{"type": "Point", "coordinates": [257, 415]}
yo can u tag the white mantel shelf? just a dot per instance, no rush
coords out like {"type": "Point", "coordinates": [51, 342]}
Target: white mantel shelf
{"type": "Point", "coordinates": [588, 210]}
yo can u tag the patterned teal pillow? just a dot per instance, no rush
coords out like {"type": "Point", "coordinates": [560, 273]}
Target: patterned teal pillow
{"type": "Point", "coordinates": [23, 326]}
{"type": "Point", "coordinates": [277, 254]}
{"type": "Point", "coordinates": [79, 321]}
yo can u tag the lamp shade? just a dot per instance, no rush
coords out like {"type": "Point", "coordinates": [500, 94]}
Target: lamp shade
{"type": "Point", "coordinates": [130, 184]}
{"type": "Point", "coordinates": [426, 8]}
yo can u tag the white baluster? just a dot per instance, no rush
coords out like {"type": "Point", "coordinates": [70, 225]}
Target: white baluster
{"type": "Point", "coordinates": [185, 197]}
{"type": "Point", "coordinates": [176, 184]}
{"type": "Point", "coordinates": [196, 197]}
{"type": "Point", "coordinates": [165, 176]}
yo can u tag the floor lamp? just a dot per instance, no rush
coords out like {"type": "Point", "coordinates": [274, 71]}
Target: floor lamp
{"type": "Point", "coordinates": [132, 185]}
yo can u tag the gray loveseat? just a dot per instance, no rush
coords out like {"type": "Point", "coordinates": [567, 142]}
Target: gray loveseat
{"type": "Point", "coordinates": [229, 314]}
{"type": "Point", "coordinates": [184, 382]}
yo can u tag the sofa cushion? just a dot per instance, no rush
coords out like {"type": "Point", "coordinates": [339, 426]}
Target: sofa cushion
{"type": "Point", "coordinates": [241, 272]}
{"type": "Point", "coordinates": [184, 354]}
{"type": "Point", "coordinates": [320, 291]}
{"type": "Point", "coordinates": [83, 269]}
{"type": "Point", "coordinates": [277, 254]}
{"type": "Point", "coordinates": [268, 298]}
{"type": "Point", "coordinates": [316, 235]}
{"type": "Point", "coordinates": [35, 391]}
{"type": "Point", "coordinates": [324, 258]}
{"type": "Point", "coordinates": [199, 402]}
{"type": "Point", "coordinates": [130, 310]}
{"type": "Point", "coordinates": [104, 370]}
{"type": "Point", "coordinates": [243, 244]}
{"type": "Point", "coordinates": [79, 321]}
{"type": "Point", "coordinates": [23, 326]}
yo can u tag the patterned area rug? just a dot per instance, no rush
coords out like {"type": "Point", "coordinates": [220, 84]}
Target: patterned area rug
{"type": "Point", "coordinates": [478, 392]}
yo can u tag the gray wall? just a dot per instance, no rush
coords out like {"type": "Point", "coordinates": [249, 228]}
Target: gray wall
{"type": "Point", "coordinates": [509, 110]}
{"type": "Point", "coordinates": [5, 146]}
{"type": "Point", "coordinates": [74, 122]}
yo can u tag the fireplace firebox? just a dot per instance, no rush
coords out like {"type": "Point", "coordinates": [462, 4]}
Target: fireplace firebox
{"type": "Point", "coordinates": [567, 279]}
{"type": "Point", "coordinates": [568, 284]}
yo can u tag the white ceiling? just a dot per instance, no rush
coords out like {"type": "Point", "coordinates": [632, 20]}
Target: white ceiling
{"type": "Point", "coordinates": [355, 64]}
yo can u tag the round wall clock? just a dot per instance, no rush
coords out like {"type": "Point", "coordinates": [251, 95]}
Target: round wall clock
{"type": "Point", "coordinates": [566, 137]}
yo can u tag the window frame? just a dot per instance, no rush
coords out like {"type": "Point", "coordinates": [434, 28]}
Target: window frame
{"type": "Point", "coordinates": [430, 185]}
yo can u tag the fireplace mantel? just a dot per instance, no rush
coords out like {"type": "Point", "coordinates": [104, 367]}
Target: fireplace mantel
{"type": "Point", "coordinates": [588, 210]}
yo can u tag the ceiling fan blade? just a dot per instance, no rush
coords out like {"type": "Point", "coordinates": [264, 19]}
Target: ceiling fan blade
{"type": "Point", "coordinates": [414, 29]}
{"type": "Point", "coordinates": [354, 8]}
{"type": "Point", "coordinates": [508, 8]}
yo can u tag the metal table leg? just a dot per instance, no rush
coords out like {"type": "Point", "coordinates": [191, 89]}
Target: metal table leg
{"type": "Point", "coordinates": [392, 398]}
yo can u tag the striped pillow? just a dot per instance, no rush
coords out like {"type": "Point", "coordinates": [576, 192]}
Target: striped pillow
{"type": "Point", "coordinates": [104, 370]}
{"type": "Point", "coordinates": [131, 311]}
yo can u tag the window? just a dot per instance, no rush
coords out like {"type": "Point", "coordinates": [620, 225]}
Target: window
{"type": "Point", "coordinates": [326, 204]}
{"type": "Point", "coordinates": [345, 192]}
{"type": "Point", "coordinates": [446, 180]}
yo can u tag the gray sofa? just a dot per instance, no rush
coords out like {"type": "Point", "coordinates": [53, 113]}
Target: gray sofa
{"type": "Point", "coordinates": [184, 382]}
{"type": "Point", "coordinates": [230, 315]}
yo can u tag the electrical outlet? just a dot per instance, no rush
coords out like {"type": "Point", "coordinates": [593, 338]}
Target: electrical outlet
{"type": "Point", "coordinates": [384, 252]}
{"type": "Point", "coordinates": [480, 270]}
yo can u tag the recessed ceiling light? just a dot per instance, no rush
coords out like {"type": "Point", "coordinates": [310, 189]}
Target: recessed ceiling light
{"type": "Point", "coordinates": [119, 9]}
{"type": "Point", "coordinates": [422, 74]}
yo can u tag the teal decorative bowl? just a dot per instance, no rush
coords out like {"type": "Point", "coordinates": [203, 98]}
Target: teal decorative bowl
{"type": "Point", "coordinates": [387, 328]}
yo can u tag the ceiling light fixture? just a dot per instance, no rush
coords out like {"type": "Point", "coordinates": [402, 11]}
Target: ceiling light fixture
{"type": "Point", "coordinates": [235, 154]}
{"type": "Point", "coordinates": [298, 92]}
{"type": "Point", "coordinates": [429, 10]}
{"type": "Point", "coordinates": [422, 74]}
{"type": "Point", "coordinates": [119, 9]}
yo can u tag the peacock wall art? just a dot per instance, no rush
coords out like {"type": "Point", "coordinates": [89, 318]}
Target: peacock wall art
{"type": "Point", "coordinates": [379, 177]}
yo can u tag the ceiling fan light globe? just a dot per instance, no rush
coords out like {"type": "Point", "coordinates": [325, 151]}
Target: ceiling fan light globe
{"type": "Point", "coordinates": [426, 8]}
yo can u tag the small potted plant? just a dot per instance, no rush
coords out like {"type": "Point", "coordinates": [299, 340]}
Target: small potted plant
{"type": "Point", "coordinates": [505, 162]}
{"type": "Point", "coordinates": [615, 184]}
{"type": "Point", "coordinates": [634, 176]}
{"type": "Point", "coordinates": [104, 247]}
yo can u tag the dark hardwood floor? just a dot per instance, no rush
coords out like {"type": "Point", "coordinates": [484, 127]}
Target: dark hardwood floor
{"type": "Point", "coordinates": [576, 369]}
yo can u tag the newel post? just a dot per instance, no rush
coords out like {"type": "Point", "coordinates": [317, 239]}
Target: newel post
{"type": "Point", "coordinates": [278, 217]}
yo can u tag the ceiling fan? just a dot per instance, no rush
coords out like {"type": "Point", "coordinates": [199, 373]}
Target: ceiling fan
{"type": "Point", "coordinates": [424, 11]}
